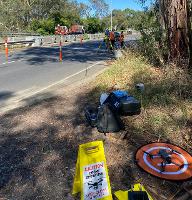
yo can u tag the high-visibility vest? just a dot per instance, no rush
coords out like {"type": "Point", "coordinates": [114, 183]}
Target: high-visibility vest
{"type": "Point", "coordinates": [112, 35]}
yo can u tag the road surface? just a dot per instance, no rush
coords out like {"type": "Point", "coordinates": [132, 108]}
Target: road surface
{"type": "Point", "coordinates": [34, 70]}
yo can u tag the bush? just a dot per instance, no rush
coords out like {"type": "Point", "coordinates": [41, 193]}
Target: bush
{"type": "Point", "coordinates": [151, 48]}
{"type": "Point", "coordinates": [93, 25]}
{"type": "Point", "coordinates": [41, 31]}
{"type": "Point", "coordinates": [43, 27]}
{"type": "Point", "coordinates": [35, 25]}
{"type": "Point", "coordinates": [86, 37]}
{"type": "Point", "coordinates": [48, 26]}
{"type": "Point", "coordinates": [166, 101]}
{"type": "Point", "coordinates": [153, 42]}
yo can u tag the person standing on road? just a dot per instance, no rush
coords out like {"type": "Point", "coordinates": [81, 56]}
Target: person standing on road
{"type": "Point", "coordinates": [106, 38]}
{"type": "Point", "coordinates": [107, 32]}
{"type": "Point", "coordinates": [106, 41]}
{"type": "Point", "coordinates": [121, 39]}
{"type": "Point", "coordinates": [112, 38]}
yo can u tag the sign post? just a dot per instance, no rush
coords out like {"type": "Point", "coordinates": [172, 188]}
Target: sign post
{"type": "Point", "coordinates": [60, 51]}
{"type": "Point", "coordinates": [81, 40]}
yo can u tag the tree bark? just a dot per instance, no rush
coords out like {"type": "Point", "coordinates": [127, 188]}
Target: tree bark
{"type": "Point", "coordinates": [175, 16]}
{"type": "Point", "coordinates": [178, 29]}
{"type": "Point", "coordinates": [189, 10]}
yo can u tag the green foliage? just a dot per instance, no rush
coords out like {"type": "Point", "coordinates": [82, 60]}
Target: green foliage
{"type": "Point", "coordinates": [56, 16]}
{"type": "Point", "coordinates": [153, 42]}
{"type": "Point", "coordinates": [43, 27]}
{"type": "Point", "coordinates": [166, 101]}
{"type": "Point", "coordinates": [93, 25]}
{"type": "Point", "coordinates": [41, 31]}
{"type": "Point", "coordinates": [35, 25]}
{"type": "Point", "coordinates": [47, 25]}
{"type": "Point", "coordinates": [19, 15]}
{"type": "Point", "coordinates": [124, 19]}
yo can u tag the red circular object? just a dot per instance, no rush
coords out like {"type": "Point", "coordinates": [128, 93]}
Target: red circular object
{"type": "Point", "coordinates": [153, 158]}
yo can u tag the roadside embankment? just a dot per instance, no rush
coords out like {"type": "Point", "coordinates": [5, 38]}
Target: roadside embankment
{"type": "Point", "coordinates": [39, 143]}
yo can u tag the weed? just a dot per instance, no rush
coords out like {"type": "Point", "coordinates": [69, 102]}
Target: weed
{"type": "Point", "coordinates": [166, 101]}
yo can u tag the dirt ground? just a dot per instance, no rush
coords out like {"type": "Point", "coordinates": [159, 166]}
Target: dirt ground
{"type": "Point", "coordinates": [39, 144]}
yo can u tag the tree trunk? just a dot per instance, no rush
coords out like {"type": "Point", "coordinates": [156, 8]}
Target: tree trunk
{"type": "Point", "coordinates": [189, 33]}
{"type": "Point", "coordinates": [178, 29]}
{"type": "Point", "coordinates": [163, 20]}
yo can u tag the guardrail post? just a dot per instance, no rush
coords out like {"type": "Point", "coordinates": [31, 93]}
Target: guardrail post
{"type": "Point", "coordinates": [81, 38]}
{"type": "Point", "coordinates": [60, 52]}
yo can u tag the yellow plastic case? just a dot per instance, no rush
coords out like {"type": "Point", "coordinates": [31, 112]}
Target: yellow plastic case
{"type": "Point", "coordinates": [123, 195]}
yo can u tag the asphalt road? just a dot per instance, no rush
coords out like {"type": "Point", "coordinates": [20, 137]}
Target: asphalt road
{"type": "Point", "coordinates": [37, 69]}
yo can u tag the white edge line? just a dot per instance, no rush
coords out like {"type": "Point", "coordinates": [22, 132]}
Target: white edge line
{"type": "Point", "coordinates": [11, 62]}
{"type": "Point", "coordinates": [61, 81]}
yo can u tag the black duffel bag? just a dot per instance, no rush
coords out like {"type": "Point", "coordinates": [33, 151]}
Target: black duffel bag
{"type": "Point", "coordinates": [108, 120]}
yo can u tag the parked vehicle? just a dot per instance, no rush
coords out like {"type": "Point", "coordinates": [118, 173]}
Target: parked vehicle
{"type": "Point", "coordinates": [74, 29]}
{"type": "Point", "coordinates": [61, 30]}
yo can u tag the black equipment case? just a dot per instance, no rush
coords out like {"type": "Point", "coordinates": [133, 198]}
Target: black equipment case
{"type": "Point", "coordinates": [123, 103]}
{"type": "Point", "coordinates": [91, 115]}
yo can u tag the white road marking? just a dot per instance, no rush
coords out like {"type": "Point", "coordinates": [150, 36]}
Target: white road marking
{"type": "Point", "coordinates": [78, 48]}
{"type": "Point", "coordinates": [13, 61]}
{"type": "Point", "coordinates": [17, 100]}
{"type": "Point", "coordinates": [61, 81]}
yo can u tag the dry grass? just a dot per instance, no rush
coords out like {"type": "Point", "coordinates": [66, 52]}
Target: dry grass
{"type": "Point", "coordinates": [166, 102]}
{"type": "Point", "coordinates": [166, 111]}
{"type": "Point", "coordinates": [39, 143]}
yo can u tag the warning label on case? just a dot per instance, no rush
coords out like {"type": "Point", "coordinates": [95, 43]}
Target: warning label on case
{"type": "Point", "coordinates": [95, 181]}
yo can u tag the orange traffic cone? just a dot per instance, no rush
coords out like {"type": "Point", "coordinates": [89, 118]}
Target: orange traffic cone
{"type": "Point", "coordinates": [6, 49]}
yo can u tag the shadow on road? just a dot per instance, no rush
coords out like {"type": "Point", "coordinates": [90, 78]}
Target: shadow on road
{"type": "Point", "coordinates": [4, 95]}
{"type": "Point", "coordinates": [76, 52]}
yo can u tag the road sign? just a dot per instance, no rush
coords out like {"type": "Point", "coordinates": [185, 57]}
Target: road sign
{"type": "Point", "coordinates": [91, 176]}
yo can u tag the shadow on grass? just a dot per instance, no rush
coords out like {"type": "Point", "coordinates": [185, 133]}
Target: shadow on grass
{"type": "Point", "coordinates": [39, 144]}
{"type": "Point", "coordinates": [38, 153]}
{"type": "Point", "coordinates": [123, 172]}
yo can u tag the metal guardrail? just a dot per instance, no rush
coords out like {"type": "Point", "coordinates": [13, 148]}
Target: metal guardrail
{"type": "Point", "coordinates": [19, 42]}
{"type": "Point", "coordinates": [9, 34]}
{"type": "Point", "coordinates": [69, 38]}
{"type": "Point", "coordinates": [47, 40]}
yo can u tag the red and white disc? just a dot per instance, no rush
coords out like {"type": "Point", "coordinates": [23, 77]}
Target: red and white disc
{"type": "Point", "coordinates": [179, 169]}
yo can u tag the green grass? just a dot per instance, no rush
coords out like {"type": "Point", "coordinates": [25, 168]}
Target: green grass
{"type": "Point", "coordinates": [166, 102]}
